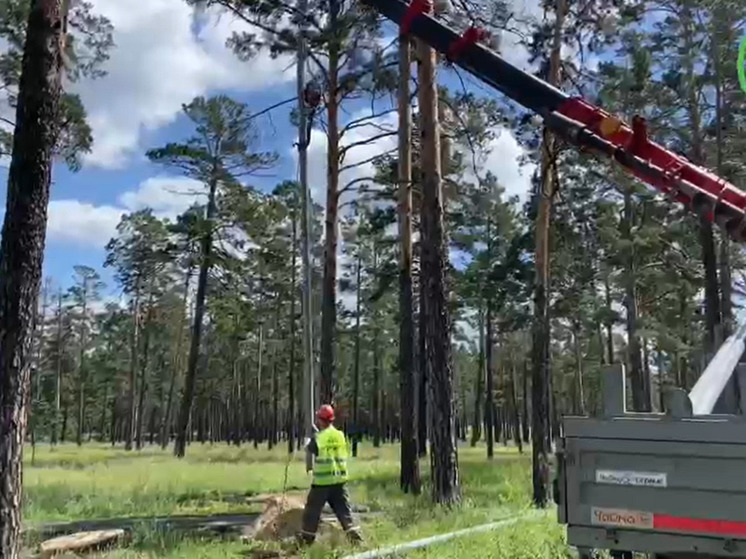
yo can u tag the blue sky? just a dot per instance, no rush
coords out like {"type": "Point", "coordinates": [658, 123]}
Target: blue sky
{"type": "Point", "coordinates": [162, 59]}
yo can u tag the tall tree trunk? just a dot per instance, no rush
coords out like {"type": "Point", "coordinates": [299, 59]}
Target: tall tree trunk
{"type": "Point", "coordinates": [144, 360]}
{"type": "Point", "coordinates": [356, 365]}
{"type": "Point", "coordinates": [409, 478]}
{"type": "Point", "coordinates": [22, 246]}
{"type": "Point", "coordinates": [36, 372]}
{"type": "Point", "coordinates": [58, 376]}
{"type": "Point", "coordinates": [329, 288]}
{"type": "Point", "coordinates": [134, 345]}
{"type": "Point", "coordinates": [525, 432]}
{"type": "Point", "coordinates": [646, 370]}
{"type": "Point", "coordinates": [114, 422]}
{"type": "Point", "coordinates": [661, 378]}
{"type": "Point", "coordinates": [489, 396]}
{"type": "Point", "coordinates": [421, 368]}
{"type": "Point", "coordinates": [291, 424]}
{"type": "Point", "coordinates": [102, 421]}
{"type": "Point", "coordinates": [476, 432]}
{"type": "Point", "coordinates": [63, 428]}
{"type": "Point", "coordinates": [199, 311]}
{"type": "Point", "coordinates": [81, 369]}
{"type": "Point", "coordinates": [258, 395]}
{"type": "Point", "coordinates": [376, 408]}
{"type": "Point", "coordinates": [237, 388]}
{"type": "Point", "coordinates": [609, 323]}
{"type": "Point", "coordinates": [640, 394]}
{"type": "Point", "coordinates": [176, 360]}
{"type": "Point", "coordinates": [444, 476]}
{"type": "Point", "coordinates": [541, 384]}
{"type": "Point", "coordinates": [274, 419]}
{"type": "Point", "coordinates": [706, 237]}
{"type": "Point", "coordinates": [514, 407]}
{"type": "Point", "coordinates": [720, 17]}
{"type": "Point", "coordinates": [578, 392]}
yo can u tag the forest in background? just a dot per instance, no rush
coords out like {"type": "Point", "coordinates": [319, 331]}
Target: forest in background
{"type": "Point", "coordinates": [205, 344]}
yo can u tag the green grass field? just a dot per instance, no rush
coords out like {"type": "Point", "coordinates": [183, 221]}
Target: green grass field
{"type": "Point", "coordinates": [97, 481]}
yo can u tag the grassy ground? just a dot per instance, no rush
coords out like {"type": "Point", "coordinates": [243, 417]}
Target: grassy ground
{"type": "Point", "coordinates": [70, 483]}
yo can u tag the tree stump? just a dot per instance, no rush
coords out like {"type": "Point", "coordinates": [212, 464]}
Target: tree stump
{"type": "Point", "coordinates": [282, 519]}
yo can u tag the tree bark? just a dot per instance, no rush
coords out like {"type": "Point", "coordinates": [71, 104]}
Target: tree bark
{"type": "Point", "coordinates": [376, 407]}
{"type": "Point", "coordinates": [476, 432]}
{"type": "Point", "coordinates": [274, 417]}
{"type": "Point", "coordinates": [609, 324]}
{"type": "Point", "coordinates": [409, 478]}
{"type": "Point", "coordinates": [356, 365]}
{"type": "Point", "coordinates": [329, 288]}
{"type": "Point", "coordinates": [199, 311]}
{"type": "Point", "coordinates": [578, 392]}
{"type": "Point", "coordinates": [134, 343]}
{"type": "Point", "coordinates": [421, 369]}
{"type": "Point", "coordinates": [640, 393]}
{"type": "Point", "coordinates": [237, 392]}
{"type": "Point", "coordinates": [444, 477]}
{"type": "Point", "coordinates": [258, 395]}
{"type": "Point", "coordinates": [176, 360]}
{"type": "Point", "coordinates": [144, 359]}
{"type": "Point", "coordinates": [22, 246]}
{"type": "Point", "coordinates": [489, 396]}
{"type": "Point", "coordinates": [525, 431]}
{"type": "Point", "coordinates": [291, 367]}
{"type": "Point", "coordinates": [713, 317]}
{"type": "Point", "coordinates": [58, 376]}
{"type": "Point", "coordinates": [541, 384]}
{"type": "Point", "coordinates": [720, 16]}
{"type": "Point", "coordinates": [514, 407]}
{"type": "Point", "coordinates": [36, 372]}
{"type": "Point", "coordinates": [81, 367]}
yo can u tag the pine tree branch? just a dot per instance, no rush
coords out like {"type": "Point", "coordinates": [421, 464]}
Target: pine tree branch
{"type": "Point", "coordinates": [345, 149]}
{"type": "Point", "coordinates": [363, 121]}
{"type": "Point", "coordinates": [366, 161]}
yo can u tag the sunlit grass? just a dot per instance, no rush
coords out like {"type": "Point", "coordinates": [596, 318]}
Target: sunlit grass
{"type": "Point", "coordinates": [97, 481]}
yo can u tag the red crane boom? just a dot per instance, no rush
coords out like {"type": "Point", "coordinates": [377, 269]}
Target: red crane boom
{"type": "Point", "coordinates": [578, 121]}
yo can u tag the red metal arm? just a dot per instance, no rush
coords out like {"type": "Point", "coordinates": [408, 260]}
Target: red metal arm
{"type": "Point", "coordinates": [579, 121]}
{"type": "Point", "coordinates": [633, 139]}
{"type": "Point", "coordinates": [415, 8]}
{"type": "Point", "coordinates": [471, 36]}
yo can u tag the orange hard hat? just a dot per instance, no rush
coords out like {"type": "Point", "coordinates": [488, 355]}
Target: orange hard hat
{"type": "Point", "coordinates": [325, 413]}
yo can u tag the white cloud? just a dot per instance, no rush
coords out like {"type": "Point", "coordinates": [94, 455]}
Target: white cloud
{"type": "Point", "coordinates": [158, 63]}
{"type": "Point", "coordinates": [168, 196]}
{"type": "Point", "coordinates": [504, 162]}
{"type": "Point", "coordinates": [84, 224]}
{"type": "Point", "coordinates": [80, 223]}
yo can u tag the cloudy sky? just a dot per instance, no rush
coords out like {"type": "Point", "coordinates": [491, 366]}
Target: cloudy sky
{"type": "Point", "coordinates": [166, 55]}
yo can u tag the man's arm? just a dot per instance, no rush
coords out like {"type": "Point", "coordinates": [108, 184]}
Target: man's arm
{"type": "Point", "coordinates": [312, 447]}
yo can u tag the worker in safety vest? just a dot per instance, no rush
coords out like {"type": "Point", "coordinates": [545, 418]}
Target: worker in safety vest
{"type": "Point", "coordinates": [329, 450]}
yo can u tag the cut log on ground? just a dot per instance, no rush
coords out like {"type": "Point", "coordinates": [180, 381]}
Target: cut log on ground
{"type": "Point", "coordinates": [80, 542]}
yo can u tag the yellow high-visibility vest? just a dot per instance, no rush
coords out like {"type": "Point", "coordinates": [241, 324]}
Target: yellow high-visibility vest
{"type": "Point", "coordinates": [330, 466]}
